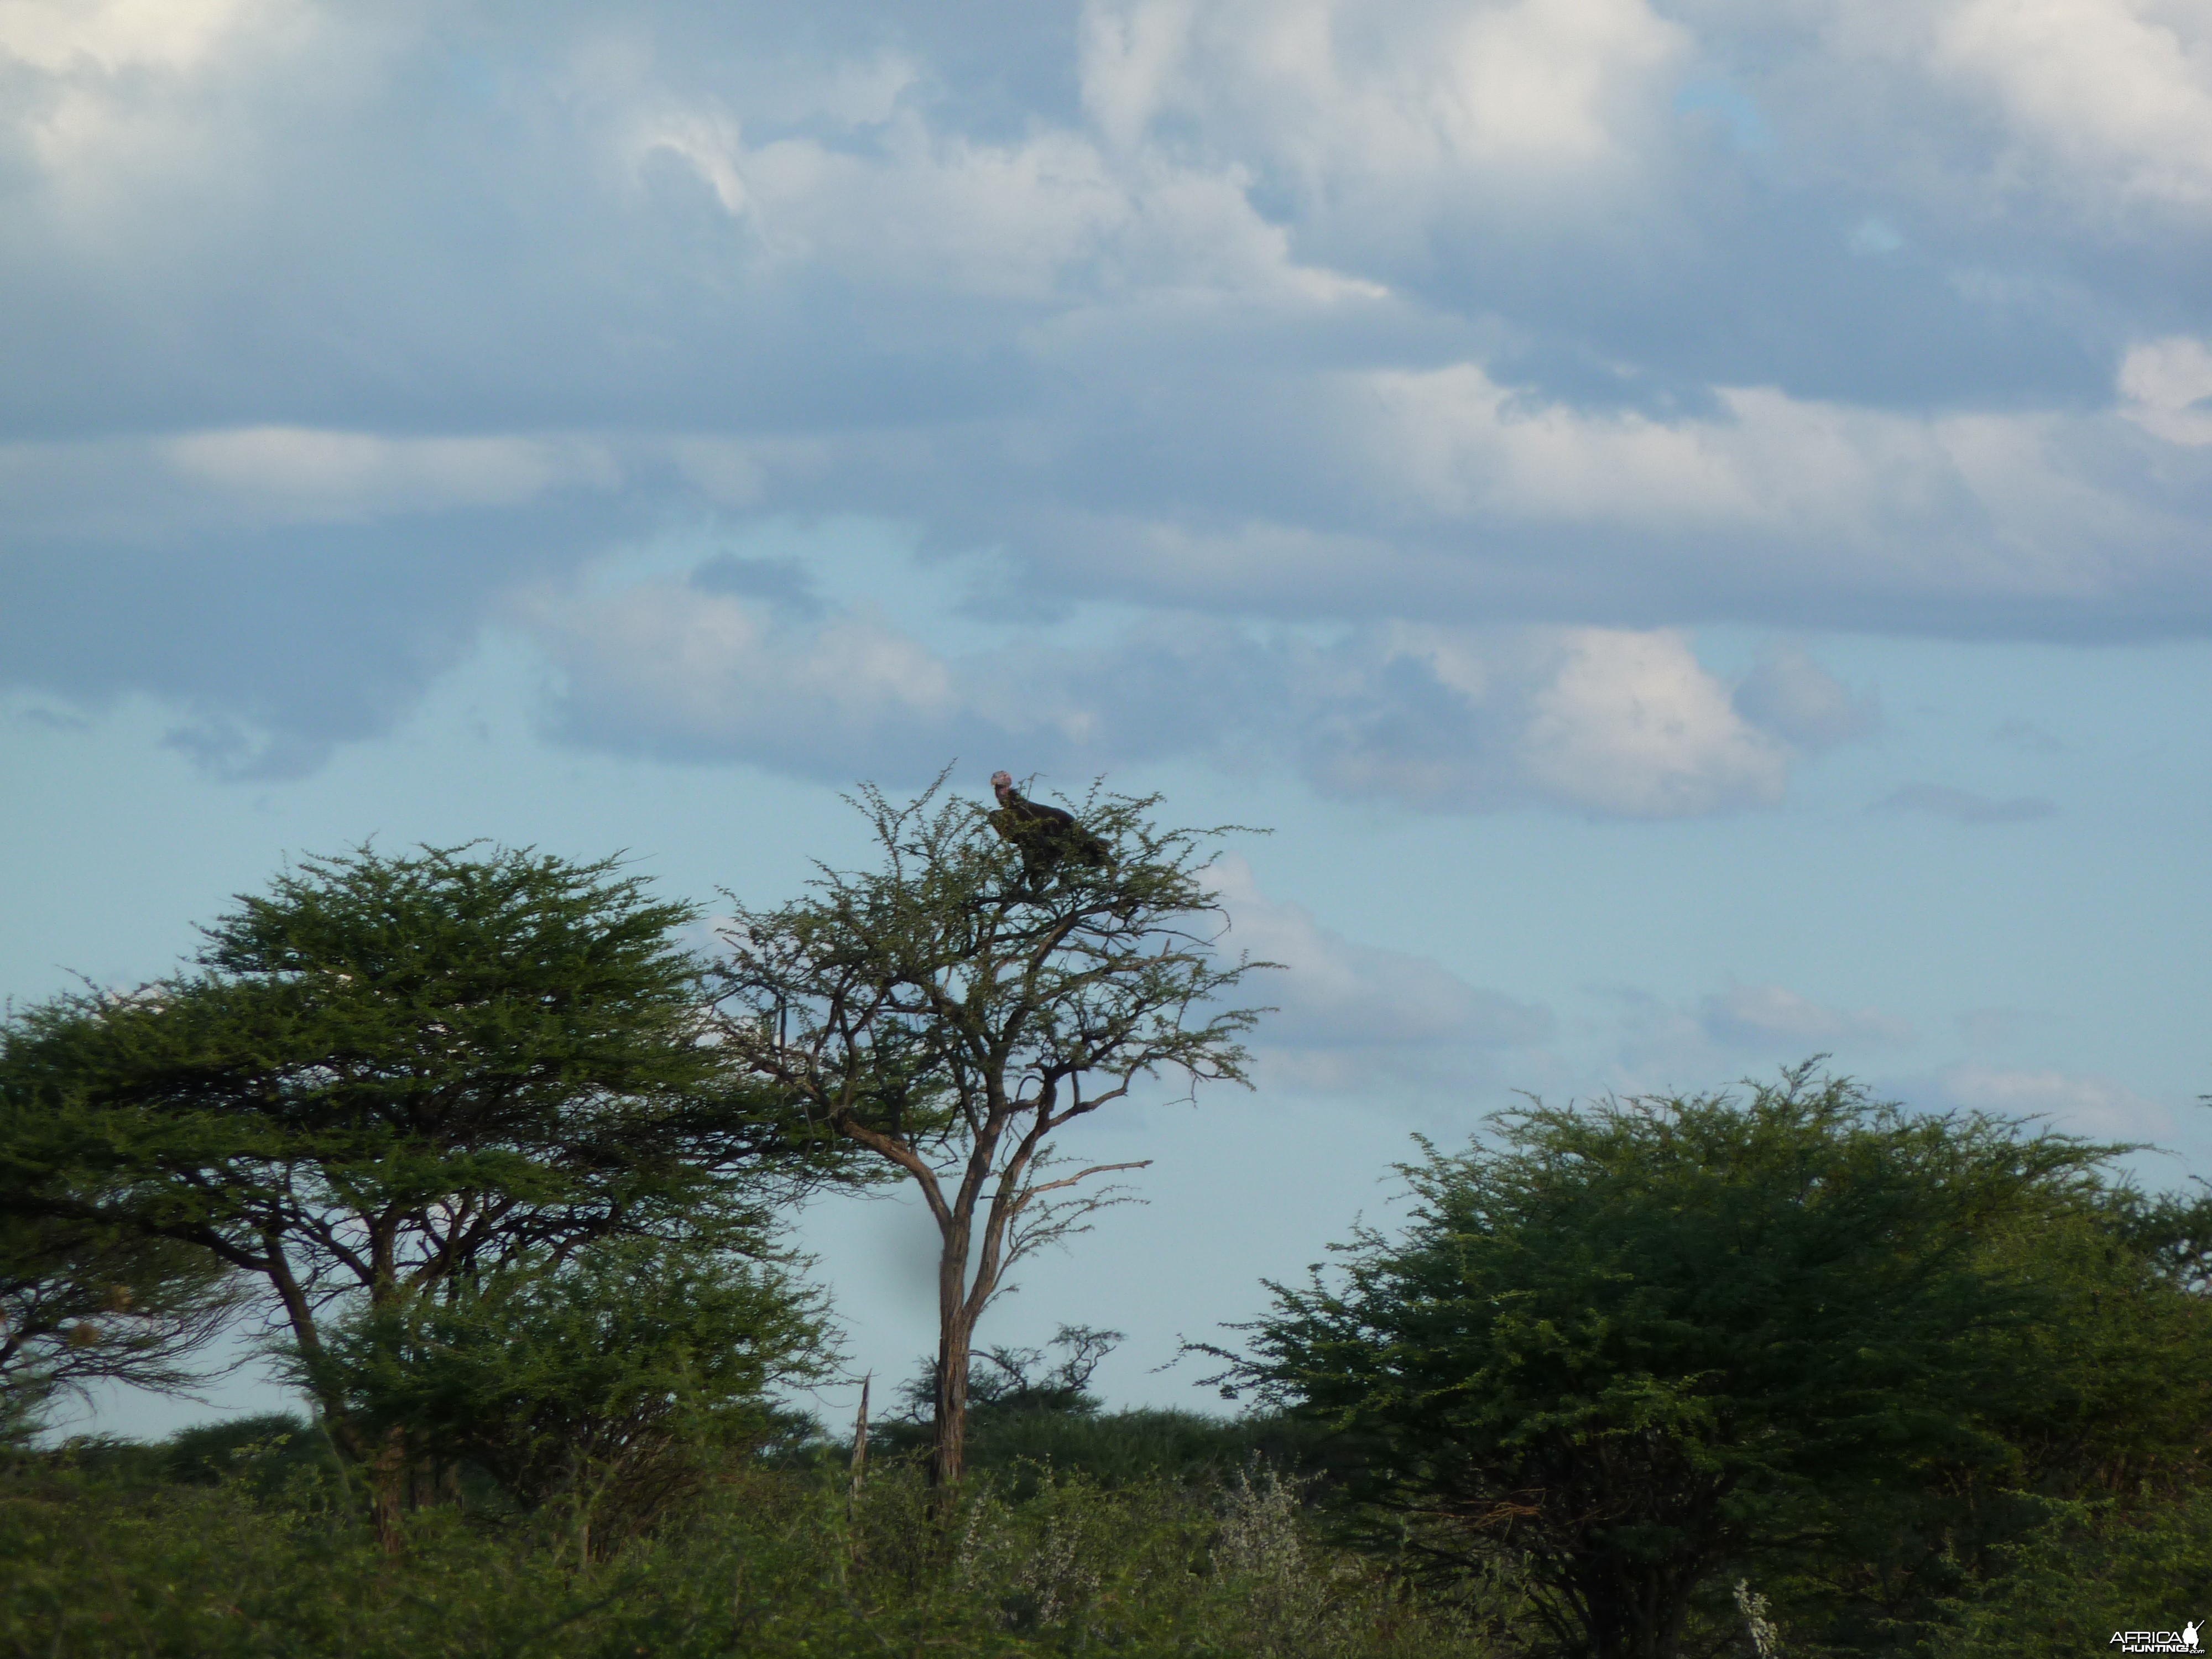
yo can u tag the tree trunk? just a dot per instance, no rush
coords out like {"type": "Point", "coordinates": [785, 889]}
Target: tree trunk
{"type": "Point", "coordinates": [388, 1489]}
{"type": "Point", "coordinates": [1639, 1611]}
{"type": "Point", "coordinates": [956, 1309]}
{"type": "Point", "coordinates": [860, 1447]}
{"type": "Point", "coordinates": [948, 1458]}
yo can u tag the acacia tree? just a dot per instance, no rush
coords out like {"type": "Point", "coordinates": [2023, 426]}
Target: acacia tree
{"type": "Point", "coordinates": [950, 1014]}
{"type": "Point", "coordinates": [388, 1077]}
{"type": "Point", "coordinates": [1618, 1348]}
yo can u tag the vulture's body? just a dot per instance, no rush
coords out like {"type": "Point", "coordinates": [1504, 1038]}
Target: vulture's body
{"type": "Point", "coordinates": [1046, 837]}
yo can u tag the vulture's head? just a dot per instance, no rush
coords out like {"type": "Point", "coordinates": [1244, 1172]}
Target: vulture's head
{"type": "Point", "coordinates": [1002, 784]}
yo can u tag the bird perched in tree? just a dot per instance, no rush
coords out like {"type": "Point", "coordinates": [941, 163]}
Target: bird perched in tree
{"type": "Point", "coordinates": [1046, 836]}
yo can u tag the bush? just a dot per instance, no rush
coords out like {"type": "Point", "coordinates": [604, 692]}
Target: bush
{"type": "Point", "coordinates": [2086, 1572]}
{"type": "Point", "coordinates": [1636, 1348]}
{"type": "Point", "coordinates": [605, 1386]}
{"type": "Point", "coordinates": [758, 1561]}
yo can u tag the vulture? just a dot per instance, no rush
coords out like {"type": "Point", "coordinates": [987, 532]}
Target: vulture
{"type": "Point", "coordinates": [1046, 836]}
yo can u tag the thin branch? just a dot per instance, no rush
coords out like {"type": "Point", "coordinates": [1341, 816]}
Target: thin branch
{"type": "Point", "coordinates": [1029, 1192]}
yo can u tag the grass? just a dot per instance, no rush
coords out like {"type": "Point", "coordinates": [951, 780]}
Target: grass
{"type": "Point", "coordinates": [1137, 1534]}
{"type": "Point", "coordinates": [244, 1540]}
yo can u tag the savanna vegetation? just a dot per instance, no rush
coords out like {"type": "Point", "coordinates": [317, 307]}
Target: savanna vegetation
{"type": "Point", "coordinates": [496, 1160]}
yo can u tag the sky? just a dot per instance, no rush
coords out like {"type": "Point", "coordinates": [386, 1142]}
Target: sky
{"type": "Point", "coordinates": [1688, 522]}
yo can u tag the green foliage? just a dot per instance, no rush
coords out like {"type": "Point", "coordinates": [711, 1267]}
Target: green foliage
{"type": "Point", "coordinates": [1027, 1417]}
{"type": "Point", "coordinates": [2085, 1571]}
{"type": "Point", "coordinates": [1004, 1380]}
{"type": "Point", "coordinates": [2172, 1232]}
{"type": "Point", "coordinates": [238, 1540]}
{"type": "Point", "coordinates": [1792, 1371]}
{"type": "Point", "coordinates": [261, 1453]}
{"type": "Point", "coordinates": [758, 1562]}
{"type": "Point", "coordinates": [1630, 1345]}
{"type": "Point", "coordinates": [394, 1074]}
{"type": "Point", "coordinates": [605, 1385]}
{"type": "Point", "coordinates": [1121, 1449]}
{"type": "Point", "coordinates": [950, 1009]}
{"type": "Point", "coordinates": [2096, 1408]}
{"type": "Point", "coordinates": [266, 1451]}
{"type": "Point", "coordinates": [926, 1006]}
{"type": "Point", "coordinates": [83, 1302]}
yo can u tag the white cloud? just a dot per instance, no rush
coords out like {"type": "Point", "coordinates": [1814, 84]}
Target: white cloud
{"type": "Point", "coordinates": [2168, 388]}
{"type": "Point", "coordinates": [1964, 806]}
{"type": "Point", "coordinates": [1416, 321]}
{"type": "Point", "coordinates": [2092, 1106]}
{"type": "Point", "coordinates": [1608, 721]}
{"type": "Point", "coordinates": [2119, 92]}
{"type": "Point", "coordinates": [1337, 93]}
{"type": "Point", "coordinates": [1468, 444]}
{"type": "Point", "coordinates": [1353, 1016]}
{"type": "Point", "coordinates": [690, 671]}
{"type": "Point", "coordinates": [1613, 721]}
{"type": "Point", "coordinates": [1957, 113]}
{"type": "Point", "coordinates": [1546, 79]}
{"type": "Point", "coordinates": [746, 662]}
{"type": "Point", "coordinates": [1768, 1017]}
{"type": "Point", "coordinates": [1000, 221]}
{"type": "Point", "coordinates": [1129, 53]}
{"type": "Point", "coordinates": [706, 140]}
{"type": "Point", "coordinates": [298, 473]}
{"type": "Point", "coordinates": [129, 105]}
{"type": "Point", "coordinates": [1992, 1027]}
{"type": "Point", "coordinates": [1010, 221]}
{"type": "Point", "coordinates": [1799, 473]}
{"type": "Point", "coordinates": [111, 36]}
{"type": "Point", "coordinates": [192, 492]}
{"type": "Point", "coordinates": [1658, 1044]}
{"type": "Point", "coordinates": [1634, 725]}
{"type": "Point", "coordinates": [1798, 701]}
